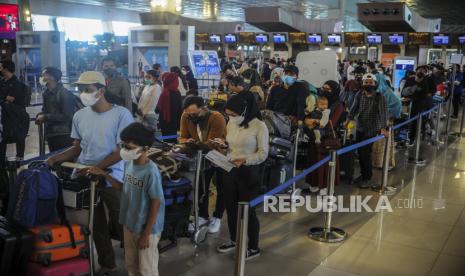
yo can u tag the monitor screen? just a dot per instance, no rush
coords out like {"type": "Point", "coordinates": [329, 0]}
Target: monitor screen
{"type": "Point", "coordinates": [201, 38]}
{"type": "Point", "coordinates": [462, 39]}
{"type": "Point", "coordinates": [279, 38]}
{"type": "Point", "coordinates": [396, 39]}
{"type": "Point", "coordinates": [247, 37]}
{"type": "Point", "coordinates": [374, 39]}
{"type": "Point", "coordinates": [230, 38]}
{"type": "Point", "coordinates": [401, 67]}
{"type": "Point", "coordinates": [298, 38]}
{"type": "Point", "coordinates": [314, 38]}
{"type": "Point", "coordinates": [440, 40]}
{"type": "Point", "coordinates": [334, 39]}
{"type": "Point", "coordinates": [205, 62]}
{"type": "Point", "coordinates": [354, 38]}
{"type": "Point", "coordinates": [419, 38]}
{"type": "Point", "coordinates": [215, 38]}
{"type": "Point", "coordinates": [9, 20]}
{"type": "Point", "coordinates": [261, 38]}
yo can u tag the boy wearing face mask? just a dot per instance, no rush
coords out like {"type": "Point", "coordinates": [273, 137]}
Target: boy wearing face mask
{"type": "Point", "coordinates": [96, 132]}
{"type": "Point", "coordinates": [289, 98]}
{"type": "Point", "coordinates": [118, 89]}
{"type": "Point", "coordinates": [200, 125]}
{"type": "Point", "coordinates": [148, 101]}
{"type": "Point", "coordinates": [371, 111]}
{"type": "Point", "coordinates": [142, 201]}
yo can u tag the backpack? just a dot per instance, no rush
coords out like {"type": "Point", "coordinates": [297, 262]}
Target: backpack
{"type": "Point", "coordinates": [278, 124]}
{"type": "Point", "coordinates": [33, 198]}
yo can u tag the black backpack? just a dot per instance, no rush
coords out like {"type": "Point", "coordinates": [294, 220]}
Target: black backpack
{"type": "Point", "coordinates": [27, 94]}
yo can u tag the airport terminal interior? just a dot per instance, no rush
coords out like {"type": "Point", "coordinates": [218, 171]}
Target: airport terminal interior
{"type": "Point", "coordinates": [232, 137]}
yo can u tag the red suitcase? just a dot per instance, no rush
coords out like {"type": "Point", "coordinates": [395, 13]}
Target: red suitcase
{"type": "Point", "coordinates": [72, 267]}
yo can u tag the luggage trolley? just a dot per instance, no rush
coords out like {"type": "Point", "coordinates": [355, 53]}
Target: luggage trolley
{"type": "Point", "coordinates": [92, 199]}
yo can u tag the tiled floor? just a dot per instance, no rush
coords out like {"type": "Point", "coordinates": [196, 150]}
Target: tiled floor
{"type": "Point", "coordinates": [409, 241]}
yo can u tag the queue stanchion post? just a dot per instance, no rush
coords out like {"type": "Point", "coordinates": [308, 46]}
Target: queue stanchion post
{"type": "Point", "coordinates": [295, 192]}
{"type": "Point", "coordinates": [241, 237]}
{"type": "Point", "coordinates": [200, 231]}
{"type": "Point", "coordinates": [93, 184]}
{"type": "Point", "coordinates": [461, 122]}
{"type": "Point", "coordinates": [451, 99]}
{"type": "Point", "coordinates": [438, 121]}
{"type": "Point", "coordinates": [328, 233]}
{"type": "Point", "coordinates": [384, 189]}
{"type": "Point", "coordinates": [41, 138]}
{"type": "Point", "coordinates": [416, 159]}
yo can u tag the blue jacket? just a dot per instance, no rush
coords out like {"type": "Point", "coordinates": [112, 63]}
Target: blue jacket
{"type": "Point", "coordinates": [393, 102]}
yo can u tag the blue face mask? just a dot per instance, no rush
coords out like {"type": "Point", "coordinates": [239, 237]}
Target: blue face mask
{"type": "Point", "coordinates": [288, 80]}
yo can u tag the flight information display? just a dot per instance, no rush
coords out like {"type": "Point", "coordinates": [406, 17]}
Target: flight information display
{"type": "Point", "coordinates": [314, 38]}
{"type": "Point", "coordinates": [396, 39]}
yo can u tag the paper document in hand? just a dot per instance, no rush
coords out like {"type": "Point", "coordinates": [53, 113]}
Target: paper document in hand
{"type": "Point", "coordinates": [219, 160]}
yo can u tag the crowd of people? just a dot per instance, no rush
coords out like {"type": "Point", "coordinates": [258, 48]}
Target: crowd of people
{"type": "Point", "coordinates": [109, 128]}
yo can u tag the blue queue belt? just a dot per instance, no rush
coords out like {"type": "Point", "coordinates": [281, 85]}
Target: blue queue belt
{"type": "Point", "coordinates": [288, 183]}
{"type": "Point", "coordinates": [254, 202]}
{"type": "Point", "coordinates": [46, 156]}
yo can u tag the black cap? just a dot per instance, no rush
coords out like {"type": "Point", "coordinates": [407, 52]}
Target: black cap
{"type": "Point", "coordinates": [54, 72]}
{"type": "Point", "coordinates": [291, 68]}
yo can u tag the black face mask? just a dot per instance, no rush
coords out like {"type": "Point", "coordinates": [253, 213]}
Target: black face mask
{"type": "Point", "coordinates": [196, 119]}
{"type": "Point", "coordinates": [369, 88]}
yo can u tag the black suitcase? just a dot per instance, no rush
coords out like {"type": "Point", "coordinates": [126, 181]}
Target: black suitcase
{"type": "Point", "coordinates": [275, 173]}
{"type": "Point", "coordinates": [16, 245]}
{"type": "Point", "coordinates": [178, 204]}
{"type": "Point", "coordinates": [280, 148]}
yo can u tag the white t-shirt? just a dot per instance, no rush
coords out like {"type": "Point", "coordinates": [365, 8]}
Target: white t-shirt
{"type": "Point", "coordinates": [181, 88]}
{"type": "Point", "coordinates": [350, 71]}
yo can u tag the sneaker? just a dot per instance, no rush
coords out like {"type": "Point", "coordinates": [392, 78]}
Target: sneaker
{"type": "Point", "coordinates": [200, 222]}
{"type": "Point", "coordinates": [324, 191]}
{"type": "Point", "coordinates": [314, 189]}
{"type": "Point", "coordinates": [364, 184]}
{"type": "Point", "coordinates": [105, 271]}
{"type": "Point", "coordinates": [226, 247]}
{"type": "Point", "coordinates": [214, 226]}
{"type": "Point", "coordinates": [358, 180]}
{"type": "Point", "coordinates": [252, 254]}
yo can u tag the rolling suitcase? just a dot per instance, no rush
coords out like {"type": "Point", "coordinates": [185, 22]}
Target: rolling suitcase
{"type": "Point", "coordinates": [275, 173]}
{"type": "Point", "coordinates": [178, 204]}
{"type": "Point", "coordinates": [54, 243]}
{"type": "Point", "coordinates": [16, 245]}
{"type": "Point", "coordinates": [73, 267]}
{"type": "Point", "coordinates": [346, 160]}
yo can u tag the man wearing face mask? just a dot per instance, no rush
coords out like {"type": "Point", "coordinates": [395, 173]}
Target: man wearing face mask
{"type": "Point", "coordinates": [118, 89]}
{"type": "Point", "coordinates": [59, 106]}
{"type": "Point", "coordinates": [371, 111]}
{"type": "Point", "coordinates": [96, 132]}
{"type": "Point", "coordinates": [200, 125]}
{"type": "Point", "coordinates": [289, 98]}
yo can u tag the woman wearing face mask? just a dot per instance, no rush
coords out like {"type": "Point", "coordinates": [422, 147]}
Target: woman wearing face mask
{"type": "Point", "coordinates": [252, 80]}
{"type": "Point", "coordinates": [169, 106]}
{"type": "Point", "coordinates": [182, 86]}
{"type": "Point", "coordinates": [149, 100]}
{"type": "Point", "coordinates": [190, 79]}
{"type": "Point", "coordinates": [247, 146]}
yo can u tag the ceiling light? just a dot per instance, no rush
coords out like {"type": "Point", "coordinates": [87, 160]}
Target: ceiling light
{"type": "Point", "coordinates": [178, 7]}
{"type": "Point", "coordinates": [27, 12]}
{"type": "Point", "coordinates": [158, 3]}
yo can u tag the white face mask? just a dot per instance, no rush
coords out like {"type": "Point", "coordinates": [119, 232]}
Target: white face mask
{"type": "Point", "coordinates": [247, 81]}
{"type": "Point", "coordinates": [129, 155]}
{"type": "Point", "coordinates": [42, 81]}
{"type": "Point", "coordinates": [237, 120]}
{"type": "Point", "coordinates": [89, 99]}
{"type": "Point", "coordinates": [184, 72]}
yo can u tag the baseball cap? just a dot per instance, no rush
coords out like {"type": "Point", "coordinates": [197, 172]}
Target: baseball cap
{"type": "Point", "coordinates": [369, 76]}
{"type": "Point", "coordinates": [91, 77]}
{"type": "Point", "coordinates": [291, 68]}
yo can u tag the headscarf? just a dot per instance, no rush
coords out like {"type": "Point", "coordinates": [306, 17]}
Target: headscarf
{"type": "Point", "coordinates": [241, 102]}
{"type": "Point", "coordinates": [170, 84]}
{"type": "Point", "coordinates": [332, 96]}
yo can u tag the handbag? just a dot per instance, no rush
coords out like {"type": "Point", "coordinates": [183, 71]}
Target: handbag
{"type": "Point", "coordinates": [331, 142]}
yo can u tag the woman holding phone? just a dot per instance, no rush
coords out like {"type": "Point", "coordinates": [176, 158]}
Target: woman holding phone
{"type": "Point", "coordinates": [247, 148]}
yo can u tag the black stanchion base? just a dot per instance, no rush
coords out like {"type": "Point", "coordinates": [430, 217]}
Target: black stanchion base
{"type": "Point", "coordinates": [332, 236]}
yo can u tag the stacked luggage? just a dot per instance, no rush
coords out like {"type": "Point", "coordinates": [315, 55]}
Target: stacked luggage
{"type": "Point", "coordinates": [35, 237]}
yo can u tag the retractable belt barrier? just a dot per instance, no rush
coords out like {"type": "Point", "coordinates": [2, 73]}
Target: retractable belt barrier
{"type": "Point", "coordinates": [326, 233]}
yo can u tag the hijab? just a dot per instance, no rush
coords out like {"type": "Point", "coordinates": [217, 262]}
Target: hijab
{"type": "Point", "coordinates": [332, 96]}
{"type": "Point", "coordinates": [170, 84]}
{"type": "Point", "coordinates": [244, 102]}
